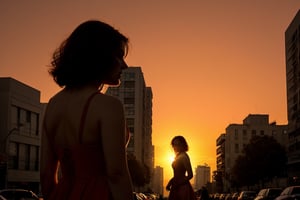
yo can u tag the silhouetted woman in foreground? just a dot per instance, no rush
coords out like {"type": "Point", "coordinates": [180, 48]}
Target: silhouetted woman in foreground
{"type": "Point", "coordinates": [84, 136]}
{"type": "Point", "coordinates": [179, 186]}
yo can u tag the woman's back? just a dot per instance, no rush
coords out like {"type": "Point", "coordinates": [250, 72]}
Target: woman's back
{"type": "Point", "coordinates": [74, 126]}
{"type": "Point", "coordinates": [64, 115]}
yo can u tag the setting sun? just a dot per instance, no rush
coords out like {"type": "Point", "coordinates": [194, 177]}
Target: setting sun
{"type": "Point", "coordinates": [170, 158]}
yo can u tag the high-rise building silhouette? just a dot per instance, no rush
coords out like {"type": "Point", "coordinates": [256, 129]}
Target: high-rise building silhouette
{"type": "Point", "coordinates": [157, 183]}
{"type": "Point", "coordinates": [202, 176]}
{"type": "Point", "coordinates": [292, 54]}
{"type": "Point", "coordinates": [137, 101]}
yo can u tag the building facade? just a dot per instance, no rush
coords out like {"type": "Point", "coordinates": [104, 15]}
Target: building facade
{"type": "Point", "coordinates": [239, 135]}
{"type": "Point", "coordinates": [157, 182]}
{"type": "Point", "coordinates": [20, 119]}
{"type": "Point", "coordinates": [219, 174]}
{"type": "Point", "coordinates": [202, 176]}
{"type": "Point", "coordinates": [292, 54]}
{"type": "Point", "coordinates": [137, 100]}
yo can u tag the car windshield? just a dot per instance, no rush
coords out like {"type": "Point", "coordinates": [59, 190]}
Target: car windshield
{"type": "Point", "coordinates": [296, 190]}
{"type": "Point", "coordinates": [274, 192]}
{"type": "Point", "coordinates": [249, 194]}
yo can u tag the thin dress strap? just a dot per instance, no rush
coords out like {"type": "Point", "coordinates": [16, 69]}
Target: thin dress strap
{"type": "Point", "coordinates": [83, 116]}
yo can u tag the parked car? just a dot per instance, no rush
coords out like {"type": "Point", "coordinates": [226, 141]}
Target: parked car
{"type": "Point", "coordinates": [290, 193]}
{"type": "Point", "coordinates": [136, 196]}
{"type": "Point", "coordinates": [247, 195]}
{"type": "Point", "coordinates": [222, 196]}
{"type": "Point", "coordinates": [235, 196]}
{"type": "Point", "coordinates": [268, 194]}
{"type": "Point", "coordinates": [139, 196]}
{"type": "Point", "coordinates": [228, 196]}
{"type": "Point", "coordinates": [16, 194]}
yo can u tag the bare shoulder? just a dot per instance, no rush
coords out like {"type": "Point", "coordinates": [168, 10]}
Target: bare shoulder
{"type": "Point", "coordinates": [184, 156]}
{"type": "Point", "coordinates": [107, 99]}
{"type": "Point", "coordinates": [107, 102]}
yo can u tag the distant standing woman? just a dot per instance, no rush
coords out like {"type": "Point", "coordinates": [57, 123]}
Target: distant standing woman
{"type": "Point", "coordinates": [179, 186]}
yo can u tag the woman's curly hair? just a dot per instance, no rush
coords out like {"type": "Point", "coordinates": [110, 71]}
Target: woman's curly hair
{"type": "Point", "coordinates": [88, 54]}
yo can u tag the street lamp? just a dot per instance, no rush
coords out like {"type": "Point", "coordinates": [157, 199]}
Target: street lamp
{"type": "Point", "coordinates": [4, 157]}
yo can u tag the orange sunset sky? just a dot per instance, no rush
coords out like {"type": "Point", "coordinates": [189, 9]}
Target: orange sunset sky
{"type": "Point", "coordinates": [209, 62]}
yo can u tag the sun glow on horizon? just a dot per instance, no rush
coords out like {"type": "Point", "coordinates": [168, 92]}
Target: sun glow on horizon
{"type": "Point", "coordinates": [170, 158]}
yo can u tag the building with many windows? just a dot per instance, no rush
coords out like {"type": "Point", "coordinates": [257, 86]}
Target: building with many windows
{"type": "Point", "coordinates": [20, 118]}
{"type": "Point", "coordinates": [137, 100]}
{"type": "Point", "coordinates": [292, 54]}
{"type": "Point", "coordinates": [202, 176]}
{"type": "Point", "coordinates": [231, 144]}
{"type": "Point", "coordinates": [220, 172]}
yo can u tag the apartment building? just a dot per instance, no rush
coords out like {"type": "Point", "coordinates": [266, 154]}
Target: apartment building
{"type": "Point", "coordinates": [292, 54]}
{"type": "Point", "coordinates": [20, 119]}
{"type": "Point", "coordinates": [137, 100]}
{"type": "Point", "coordinates": [220, 159]}
{"type": "Point", "coordinates": [239, 135]}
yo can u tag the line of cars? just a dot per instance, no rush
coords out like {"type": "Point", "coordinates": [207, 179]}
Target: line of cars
{"type": "Point", "coordinates": [288, 193]}
{"type": "Point", "coordinates": [22, 194]}
{"type": "Point", "coordinates": [144, 196]}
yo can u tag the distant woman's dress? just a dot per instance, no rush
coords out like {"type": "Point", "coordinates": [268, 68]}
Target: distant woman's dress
{"type": "Point", "coordinates": [181, 188]}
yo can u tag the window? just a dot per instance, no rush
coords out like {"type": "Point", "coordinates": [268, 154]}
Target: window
{"type": "Point", "coordinates": [34, 124]}
{"type": "Point", "coordinates": [22, 117]}
{"type": "Point", "coordinates": [130, 122]}
{"type": "Point", "coordinates": [14, 116]}
{"type": "Point", "coordinates": [34, 158]}
{"type": "Point", "coordinates": [129, 94]}
{"type": "Point", "coordinates": [28, 120]}
{"type": "Point", "coordinates": [236, 148]}
{"type": "Point", "coordinates": [24, 156]}
{"type": "Point", "coordinates": [236, 134]}
{"type": "Point", "coordinates": [129, 110]}
{"type": "Point", "coordinates": [244, 134]}
{"type": "Point", "coordinates": [13, 155]}
{"type": "Point", "coordinates": [128, 75]}
{"type": "Point", "coordinates": [129, 84]}
{"type": "Point", "coordinates": [253, 133]}
{"type": "Point", "coordinates": [262, 132]}
{"type": "Point", "coordinates": [129, 101]}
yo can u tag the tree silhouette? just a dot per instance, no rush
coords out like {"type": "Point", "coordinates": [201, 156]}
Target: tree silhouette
{"type": "Point", "coordinates": [217, 177]}
{"type": "Point", "coordinates": [262, 159]}
{"type": "Point", "coordinates": [139, 172]}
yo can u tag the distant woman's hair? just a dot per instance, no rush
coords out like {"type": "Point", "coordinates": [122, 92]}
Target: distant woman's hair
{"type": "Point", "coordinates": [89, 54]}
{"type": "Point", "coordinates": [180, 142]}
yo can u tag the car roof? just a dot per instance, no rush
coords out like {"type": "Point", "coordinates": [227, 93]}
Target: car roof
{"type": "Point", "coordinates": [16, 190]}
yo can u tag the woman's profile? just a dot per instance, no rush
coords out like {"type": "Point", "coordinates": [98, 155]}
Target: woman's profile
{"type": "Point", "coordinates": [84, 136]}
{"type": "Point", "coordinates": [179, 186]}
